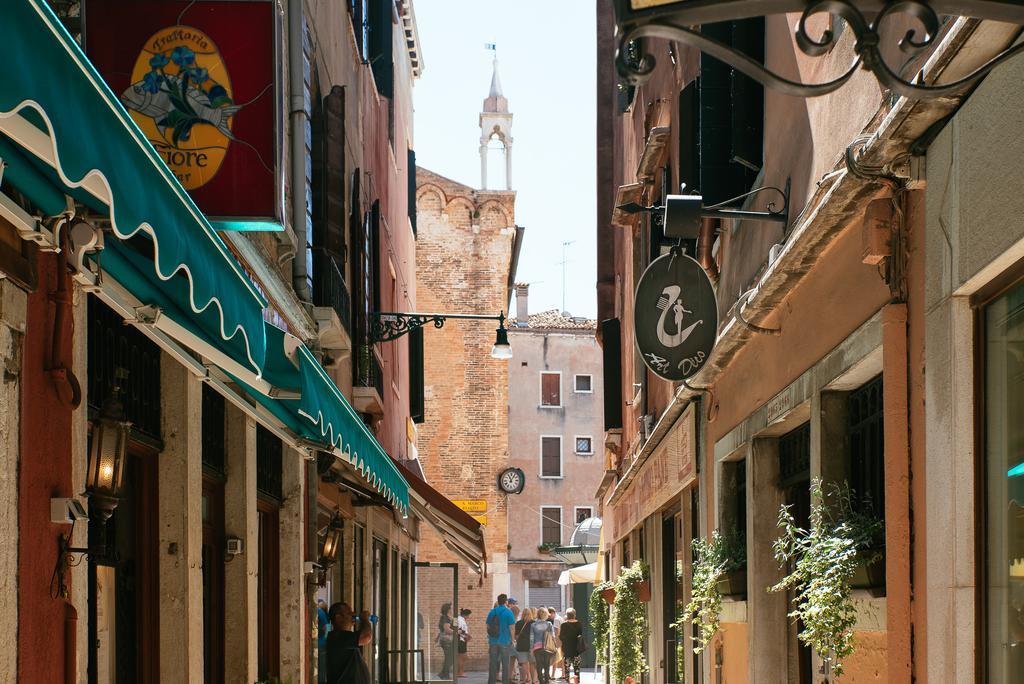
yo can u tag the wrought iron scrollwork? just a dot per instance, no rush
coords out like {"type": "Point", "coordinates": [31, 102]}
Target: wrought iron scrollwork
{"type": "Point", "coordinates": [390, 326]}
{"type": "Point", "coordinates": [867, 47]}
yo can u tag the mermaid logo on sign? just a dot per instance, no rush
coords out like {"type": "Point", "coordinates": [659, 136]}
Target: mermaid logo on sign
{"type": "Point", "coordinates": [675, 316]}
{"type": "Point", "coordinates": [180, 96]}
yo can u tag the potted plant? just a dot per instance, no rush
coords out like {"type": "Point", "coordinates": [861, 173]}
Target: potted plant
{"type": "Point", "coordinates": [629, 628]}
{"type": "Point", "coordinates": [822, 562]}
{"type": "Point", "coordinates": [608, 593]}
{"type": "Point", "coordinates": [599, 616]}
{"type": "Point", "coordinates": [547, 547]}
{"type": "Point", "coordinates": [716, 558]}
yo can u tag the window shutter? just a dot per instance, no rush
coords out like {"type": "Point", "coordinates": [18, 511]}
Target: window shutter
{"type": "Point", "coordinates": [375, 242]}
{"type": "Point", "coordinates": [551, 525]}
{"type": "Point", "coordinates": [412, 189]}
{"type": "Point", "coordinates": [611, 344]}
{"type": "Point", "coordinates": [551, 457]}
{"type": "Point", "coordinates": [381, 46]}
{"type": "Point", "coordinates": [550, 390]}
{"type": "Point", "coordinates": [416, 386]}
{"type": "Point", "coordinates": [333, 184]}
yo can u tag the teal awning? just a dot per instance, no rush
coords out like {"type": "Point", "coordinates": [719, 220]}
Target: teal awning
{"type": "Point", "coordinates": [61, 115]}
{"type": "Point", "coordinates": [323, 415]}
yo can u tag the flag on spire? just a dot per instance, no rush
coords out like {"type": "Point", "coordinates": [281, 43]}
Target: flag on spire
{"type": "Point", "coordinates": [493, 47]}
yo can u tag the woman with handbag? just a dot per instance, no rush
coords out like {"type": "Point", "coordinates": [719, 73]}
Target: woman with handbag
{"type": "Point", "coordinates": [573, 646]}
{"type": "Point", "coordinates": [445, 639]}
{"type": "Point", "coordinates": [542, 637]}
{"type": "Point", "coordinates": [524, 642]}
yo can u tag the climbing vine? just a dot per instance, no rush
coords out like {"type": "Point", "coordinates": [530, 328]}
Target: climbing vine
{"type": "Point", "coordinates": [629, 627]}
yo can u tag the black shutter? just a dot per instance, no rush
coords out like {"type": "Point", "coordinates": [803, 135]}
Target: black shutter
{"type": "Point", "coordinates": [689, 135]}
{"type": "Point", "coordinates": [375, 242]}
{"type": "Point", "coordinates": [747, 107]}
{"type": "Point", "coordinates": [329, 176]}
{"type": "Point", "coordinates": [611, 339]}
{"type": "Point", "coordinates": [412, 189]}
{"type": "Point", "coordinates": [381, 57]}
{"type": "Point", "coordinates": [715, 120]}
{"type": "Point", "coordinates": [416, 396]}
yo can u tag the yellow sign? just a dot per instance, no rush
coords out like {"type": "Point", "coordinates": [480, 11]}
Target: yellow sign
{"type": "Point", "coordinates": [180, 96]}
{"type": "Point", "coordinates": [482, 519]}
{"type": "Point", "coordinates": [473, 506]}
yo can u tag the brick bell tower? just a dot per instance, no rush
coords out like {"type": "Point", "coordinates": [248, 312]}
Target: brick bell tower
{"type": "Point", "coordinates": [495, 122]}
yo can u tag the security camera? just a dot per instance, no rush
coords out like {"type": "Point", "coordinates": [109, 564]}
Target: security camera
{"type": "Point", "coordinates": [66, 510]}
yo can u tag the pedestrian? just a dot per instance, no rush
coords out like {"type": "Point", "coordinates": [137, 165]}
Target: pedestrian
{"type": "Point", "coordinates": [323, 626]}
{"type": "Point", "coordinates": [573, 646]}
{"type": "Point", "coordinates": [499, 641]}
{"type": "Point", "coordinates": [446, 640]}
{"type": "Point", "coordinates": [542, 644]}
{"type": "Point", "coordinates": [556, 620]}
{"type": "Point", "coordinates": [344, 660]}
{"type": "Point", "coordinates": [524, 656]}
{"type": "Point", "coordinates": [514, 607]}
{"type": "Point", "coordinates": [463, 628]}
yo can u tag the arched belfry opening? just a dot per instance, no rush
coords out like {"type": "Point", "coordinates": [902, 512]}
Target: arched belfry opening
{"type": "Point", "coordinates": [495, 136]}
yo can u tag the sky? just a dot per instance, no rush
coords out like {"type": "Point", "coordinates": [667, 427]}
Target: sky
{"type": "Point", "coordinates": [546, 56]}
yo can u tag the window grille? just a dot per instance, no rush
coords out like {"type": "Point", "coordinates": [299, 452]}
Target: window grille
{"type": "Point", "coordinates": [551, 457]}
{"type": "Point", "coordinates": [213, 430]}
{"type": "Point", "coordinates": [795, 456]}
{"type": "Point", "coordinates": [584, 383]}
{"type": "Point", "coordinates": [867, 446]}
{"type": "Point", "coordinates": [551, 525]}
{"type": "Point", "coordinates": [112, 346]}
{"type": "Point", "coordinates": [584, 445]}
{"type": "Point", "coordinates": [268, 463]}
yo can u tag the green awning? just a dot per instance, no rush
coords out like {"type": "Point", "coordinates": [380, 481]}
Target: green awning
{"type": "Point", "coordinates": [61, 115]}
{"type": "Point", "coordinates": [323, 415]}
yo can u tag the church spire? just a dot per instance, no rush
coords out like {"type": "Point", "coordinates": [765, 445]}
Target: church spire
{"type": "Point", "coordinates": [495, 122]}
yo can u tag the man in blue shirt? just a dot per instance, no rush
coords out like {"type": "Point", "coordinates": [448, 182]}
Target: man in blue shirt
{"type": "Point", "coordinates": [500, 623]}
{"type": "Point", "coordinates": [323, 627]}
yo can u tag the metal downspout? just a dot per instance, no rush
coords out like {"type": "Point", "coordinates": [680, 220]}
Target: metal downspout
{"type": "Point", "coordinates": [298, 116]}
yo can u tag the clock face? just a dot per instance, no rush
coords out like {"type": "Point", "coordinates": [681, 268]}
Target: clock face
{"type": "Point", "coordinates": [511, 481]}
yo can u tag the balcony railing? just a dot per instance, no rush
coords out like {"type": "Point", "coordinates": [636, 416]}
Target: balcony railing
{"type": "Point", "coordinates": [329, 288]}
{"type": "Point", "coordinates": [368, 372]}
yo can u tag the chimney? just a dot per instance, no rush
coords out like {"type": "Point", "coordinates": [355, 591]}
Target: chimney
{"type": "Point", "coordinates": [522, 311]}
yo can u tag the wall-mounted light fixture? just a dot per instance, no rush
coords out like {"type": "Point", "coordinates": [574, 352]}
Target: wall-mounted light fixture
{"type": "Point", "coordinates": [329, 548]}
{"type": "Point", "coordinates": [386, 326]}
{"type": "Point", "coordinates": [108, 448]}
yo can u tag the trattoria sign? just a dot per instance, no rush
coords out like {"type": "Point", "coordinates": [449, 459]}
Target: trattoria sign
{"type": "Point", "coordinates": [198, 78]}
{"type": "Point", "coordinates": [675, 316]}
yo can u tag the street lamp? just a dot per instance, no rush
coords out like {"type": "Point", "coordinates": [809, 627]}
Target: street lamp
{"type": "Point", "coordinates": [107, 453]}
{"type": "Point", "coordinates": [389, 325]}
{"type": "Point", "coordinates": [680, 21]}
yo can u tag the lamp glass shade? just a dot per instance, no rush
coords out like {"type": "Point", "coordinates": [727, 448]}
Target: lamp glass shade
{"type": "Point", "coordinates": [501, 349]}
{"type": "Point", "coordinates": [329, 551]}
{"type": "Point", "coordinates": [107, 453]}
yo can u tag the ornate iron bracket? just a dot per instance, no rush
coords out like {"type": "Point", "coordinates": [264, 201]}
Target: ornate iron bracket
{"type": "Point", "coordinates": [867, 40]}
{"type": "Point", "coordinates": [388, 325]}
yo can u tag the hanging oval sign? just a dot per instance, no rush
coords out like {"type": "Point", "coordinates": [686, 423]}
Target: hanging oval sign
{"type": "Point", "coordinates": [675, 316]}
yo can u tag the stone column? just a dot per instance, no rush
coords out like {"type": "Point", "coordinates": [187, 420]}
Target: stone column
{"type": "Point", "coordinates": [13, 305]}
{"type": "Point", "coordinates": [766, 611]}
{"type": "Point", "coordinates": [508, 165]}
{"type": "Point", "coordinates": [181, 526]}
{"type": "Point", "coordinates": [79, 463]}
{"type": "Point", "coordinates": [293, 610]}
{"type": "Point", "coordinates": [240, 573]}
{"type": "Point", "coordinates": [483, 164]}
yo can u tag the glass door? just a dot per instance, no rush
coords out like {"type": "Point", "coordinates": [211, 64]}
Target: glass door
{"type": "Point", "coordinates": [437, 604]}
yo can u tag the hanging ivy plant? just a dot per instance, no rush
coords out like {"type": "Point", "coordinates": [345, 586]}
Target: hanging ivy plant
{"type": "Point", "coordinates": [599, 621]}
{"type": "Point", "coordinates": [629, 628]}
{"type": "Point", "coordinates": [721, 554]}
{"type": "Point", "coordinates": [822, 562]}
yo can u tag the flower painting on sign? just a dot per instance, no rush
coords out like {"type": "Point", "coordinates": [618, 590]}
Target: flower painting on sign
{"type": "Point", "coordinates": [180, 97]}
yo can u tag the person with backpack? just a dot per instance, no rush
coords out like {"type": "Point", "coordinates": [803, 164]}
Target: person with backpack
{"type": "Point", "coordinates": [500, 623]}
{"type": "Point", "coordinates": [527, 665]}
{"type": "Point", "coordinates": [573, 646]}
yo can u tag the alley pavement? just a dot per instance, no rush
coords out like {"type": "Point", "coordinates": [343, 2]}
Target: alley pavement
{"type": "Point", "coordinates": [589, 677]}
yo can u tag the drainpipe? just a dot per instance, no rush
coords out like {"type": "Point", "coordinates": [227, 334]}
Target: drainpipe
{"type": "Point", "coordinates": [298, 116]}
{"type": "Point", "coordinates": [704, 246]}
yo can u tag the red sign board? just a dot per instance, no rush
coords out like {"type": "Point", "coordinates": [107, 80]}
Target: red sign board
{"type": "Point", "coordinates": [198, 78]}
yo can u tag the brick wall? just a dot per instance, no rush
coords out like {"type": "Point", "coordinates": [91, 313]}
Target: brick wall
{"type": "Point", "coordinates": [463, 254]}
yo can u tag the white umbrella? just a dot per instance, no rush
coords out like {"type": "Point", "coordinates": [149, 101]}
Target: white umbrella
{"type": "Point", "coordinates": [579, 575]}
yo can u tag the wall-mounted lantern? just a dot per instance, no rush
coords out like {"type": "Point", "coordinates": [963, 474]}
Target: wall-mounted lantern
{"type": "Point", "coordinates": [107, 452]}
{"type": "Point", "coordinates": [388, 325]}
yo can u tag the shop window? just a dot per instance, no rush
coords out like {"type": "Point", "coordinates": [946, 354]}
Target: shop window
{"type": "Point", "coordinates": [268, 463]}
{"type": "Point", "coordinates": [795, 457]}
{"type": "Point", "coordinates": [583, 384]}
{"type": "Point", "coordinates": [551, 457]}
{"type": "Point", "coordinates": [213, 431]}
{"type": "Point", "coordinates": [268, 633]}
{"type": "Point", "coordinates": [734, 500]}
{"type": "Point", "coordinates": [583, 513]}
{"type": "Point", "coordinates": [551, 389]}
{"type": "Point", "coordinates": [867, 447]}
{"type": "Point", "coordinates": [585, 446]}
{"type": "Point", "coordinates": [1003, 321]}
{"type": "Point", "coordinates": [551, 525]}
{"type": "Point", "coordinates": [358, 569]}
